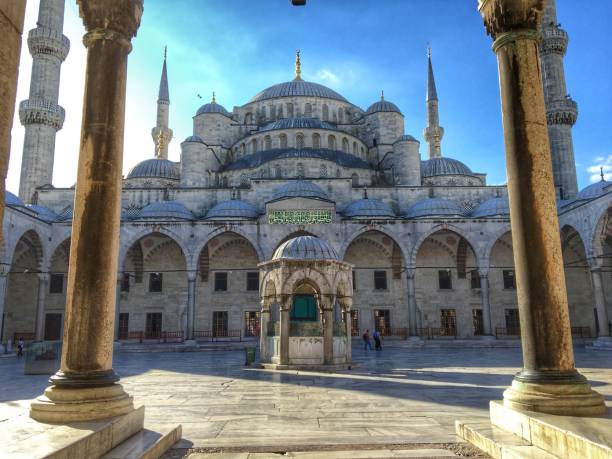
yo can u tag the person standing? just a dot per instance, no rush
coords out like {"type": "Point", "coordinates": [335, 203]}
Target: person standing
{"type": "Point", "coordinates": [366, 341]}
{"type": "Point", "coordinates": [20, 346]}
{"type": "Point", "coordinates": [377, 340]}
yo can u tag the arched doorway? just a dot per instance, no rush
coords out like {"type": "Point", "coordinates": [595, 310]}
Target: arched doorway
{"type": "Point", "coordinates": [504, 303]}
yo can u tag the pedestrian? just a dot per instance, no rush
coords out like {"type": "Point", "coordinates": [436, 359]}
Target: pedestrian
{"type": "Point", "coordinates": [366, 341]}
{"type": "Point", "coordinates": [20, 346]}
{"type": "Point", "coordinates": [377, 340]}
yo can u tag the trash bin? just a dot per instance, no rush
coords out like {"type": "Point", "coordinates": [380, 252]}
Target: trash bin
{"type": "Point", "coordinates": [249, 355]}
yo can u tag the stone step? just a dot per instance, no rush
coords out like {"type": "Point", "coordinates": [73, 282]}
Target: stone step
{"type": "Point", "coordinates": [418, 453]}
{"type": "Point", "coordinates": [498, 443]}
{"type": "Point", "coordinates": [146, 444]}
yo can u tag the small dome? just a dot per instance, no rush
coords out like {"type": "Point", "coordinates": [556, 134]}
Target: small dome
{"type": "Point", "coordinates": [155, 168]}
{"type": "Point", "coordinates": [383, 106]}
{"type": "Point", "coordinates": [166, 209]}
{"type": "Point", "coordinates": [406, 138]}
{"type": "Point", "coordinates": [12, 200]}
{"type": "Point", "coordinates": [433, 207]}
{"type": "Point", "coordinates": [305, 248]}
{"type": "Point", "coordinates": [43, 213]}
{"type": "Point", "coordinates": [299, 189]}
{"type": "Point", "coordinates": [444, 166]}
{"type": "Point", "coordinates": [234, 208]}
{"type": "Point", "coordinates": [213, 107]}
{"type": "Point", "coordinates": [193, 138]}
{"type": "Point", "coordinates": [297, 123]}
{"type": "Point", "coordinates": [368, 208]}
{"type": "Point", "coordinates": [297, 88]}
{"type": "Point", "coordinates": [594, 190]}
{"type": "Point", "coordinates": [494, 207]}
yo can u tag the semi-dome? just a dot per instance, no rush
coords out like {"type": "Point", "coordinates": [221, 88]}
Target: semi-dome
{"type": "Point", "coordinates": [297, 123]}
{"type": "Point", "coordinates": [297, 88]}
{"type": "Point", "coordinates": [368, 207]}
{"type": "Point", "coordinates": [166, 209]}
{"type": "Point", "coordinates": [213, 107]}
{"type": "Point", "coordinates": [234, 208]}
{"type": "Point", "coordinates": [11, 199]}
{"type": "Point", "coordinates": [406, 138]}
{"type": "Point", "coordinates": [594, 190]}
{"type": "Point", "coordinates": [299, 189]}
{"type": "Point", "coordinates": [43, 213]}
{"type": "Point", "coordinates": [305, 248]}
{"type": "Point", "coordinates": [383, 106]}
{"type": "Point", "coordinates": [433, 207]}
{"type": "Point", "coordinates": [193, 138]}
{"type": "Point", "coordinates": [155, 168]}
{"type": "Point", "coordinates": [494, 207]}
{"type": "Point", "coordinates": [444, 166]}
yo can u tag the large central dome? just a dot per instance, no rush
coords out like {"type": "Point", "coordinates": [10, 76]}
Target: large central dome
{"type": "Point", "coordinates": [297, 88]}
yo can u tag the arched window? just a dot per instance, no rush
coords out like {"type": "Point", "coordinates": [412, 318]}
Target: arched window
{"type": "Point", "coordinates": [280, 112]}
{"type": "Point", "coordinates": [325, 114]}
{"type": "Point", "coordinates": [244, 180]}
{"type": "Point", "coordinates": [267, 143]}
{"type": "Point", "coordinates": [300, 170]}
{"type": "Point", "coordinates": [283, 140]}
{"type": "Point", "coordinates": [248, 118]}
{"type": "Point", "coordinates": [316, 140]}
{"type": "Point", "coordinates": [299, 140]}
{"type": "Point", "coordinates": [355, 179]}
{"type": "Point", "coordinates": [308, 110]}
{"type": "Point", "coordinates": [345, 145]}
{"type": "Point", "coordinates": [254, 146]}
{"type": "Point", "coordinates": [338, 173]}
{"type": "Point", "coordinates": [263, 113]}
{"type": "Point", "coordinates": [242, 150]}
{"type": "Point", "coordinates": [272, 112]}
{"type": "Point", "coordinates": [355, 148]}
{"type": "Point", "coordinates": [340, 116]}
{"type": "Point", "coordinates": [278, 172]}
{"type": "Point", "coordinates": [323, 170]}
{"type": "Point", "coordinates": [289, 110]}
{"type": "Point", "coordinates": [331, 142]}
{"type": "Point", "coordinates": [225, 181]}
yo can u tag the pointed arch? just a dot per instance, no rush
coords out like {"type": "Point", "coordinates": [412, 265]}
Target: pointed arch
{"type": "Point", "coordinates": [132, 239]}
{"type": "Point", "coordinates": [438, 228]}
{"type": "Point", "coordinates": [195, 263]}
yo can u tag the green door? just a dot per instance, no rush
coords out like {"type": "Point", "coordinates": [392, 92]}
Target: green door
{"type": "Point", "coordinates": [304, 308]}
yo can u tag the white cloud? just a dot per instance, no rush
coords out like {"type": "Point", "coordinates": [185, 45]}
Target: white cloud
{"type": "Point", "coordinates": [600, 163]}
{"type": "Point", "coordinates": [328, 76]}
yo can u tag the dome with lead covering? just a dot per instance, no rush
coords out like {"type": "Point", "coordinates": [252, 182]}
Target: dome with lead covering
{"type": "Point", "coordinates": [368, 207]}
{"type": "Point", "coordinates": [11, 199]}
{"type": "Point", "coordinates": [166, 209]}
{"type": "Point", "coordinates": [213, 107]}
{"type": "Point", "coordinates": [193, 138]}
{"type": "Point", "coordinates": [234, 208]}
{"type": "Point", "coordinates": [444, 166]}
{"type": "Point", "coordinates": [155, 168]}
{"type": "Point", "coordinates": [406, 138]}
{"type": "Point", "coordinates": [433, 207]}
{"type": "Point", "coordinates": [299, 189]}
{"type": "Point", "coordinates": [297, 88]}
{"type": "Point", "coordinates": [305, 248]}
{"type": "Point", "coordinates": [594, 190]}
{"type": "Point", "coordinates": [494, 207]}
{"type": "Point", "coordinates": [383, 106]}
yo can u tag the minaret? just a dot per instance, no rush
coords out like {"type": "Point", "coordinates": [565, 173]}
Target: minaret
{"type": "Point", "coordinates": [561, 110]}
{"type": "Point", "coordinates": [161, 133]}
{"type": "Point", "coordinates": [433, 133]}
{"type": "Point", "coordinates": [40, 113]}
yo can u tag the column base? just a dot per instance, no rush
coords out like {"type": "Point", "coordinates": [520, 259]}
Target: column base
{"type": "Point", "coordinates": [567, 394]}
{"type": "Point", "coordinates": [61, 405]}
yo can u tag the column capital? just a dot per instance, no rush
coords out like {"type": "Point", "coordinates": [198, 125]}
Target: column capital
{"type": "Point", "coordinates": [285, 301]}
{"type": "Point", "coordinates": [410, 273]}
{"type": "Point", "coordinates": [43, 277]}
{"type": "Point", "coordinates": [483, 273]}
{"type": "Point", "coordinates": [191, 276]}
{"type": "Point", "coordinates": [116, 20]}
{"type": "Point", "coordinates": [515, 16]}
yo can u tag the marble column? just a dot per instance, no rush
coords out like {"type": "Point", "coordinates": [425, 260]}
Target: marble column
{"type": "Point", "coordinates": [328, 330]}
{"type": "Point", "coordinates": [85, 387]}
{"type": "Point", "coordinates": [286, 303]}
{"type": "Point", "coordinates": [118, 305]}
{"type": "Point", "coordinates": [43, 287]}
{"type": "Point", "coordinates": [191, 293]}
{"type": "Point", "coordinates": [548, 381]}
{"type": "Point", "coordinates": [412, 313]}
{"type": "Point", "coordinates": [347, 305]}
{"type": "Point", "coordinates": [3, 284]}
{"type": "Point", "coordinates": [486, 304]}
{"type": "Point", "coordinates": [264, 318]}
{"type": "Point", "coordinates": [600, 305]}
{"type": "Point", "coordinates": [11, 28]}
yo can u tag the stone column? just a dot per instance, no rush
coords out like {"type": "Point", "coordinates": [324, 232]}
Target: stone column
{"type": "Point", "coordinates": [600, 305]}
{"type": "Point", "coordinates": [328, 329]}
{"type": "Point", "coordinates": [191, 293]}
{"type": "Point", "coordinates": [486, 305]}
{"type": "Point", "coordinates": [85, 387]}
{"type": "Point", "coordinates": [286, 302]}
{"type": "Point", "coordinates": [3, 284]}
{"type": "Point", "coordinates": [412, 313]}
{"type": "Point", "coordinates": [43, 286]}
{"type": "Point", "coordinates": [263, 332]}
{"type": "Point", "coordinates": [548, 381]}
{"type": "Point", "coordinates": [347, 305]}
{"type": "Point", "coordinates": [11, 28]}
{"type": "Point", "coordinates": [118, 305]}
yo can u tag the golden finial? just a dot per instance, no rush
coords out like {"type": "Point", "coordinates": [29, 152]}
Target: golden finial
{"type": "Point", "coordinates": [298, 66]}
{"type": "Point", "coordinates": [214, 99]}
{"type": "Point", "coordinates": [161, 143]}
{"type": "Point", "coordinates": [165, 52]}
{"type": "Point", "coordinates": [382, 95]}
{"type": "Point", "coordinates": [428, 52]}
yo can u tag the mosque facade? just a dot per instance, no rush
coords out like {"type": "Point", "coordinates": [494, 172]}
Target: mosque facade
{"type": "Point", "coordinates": [428, 241]}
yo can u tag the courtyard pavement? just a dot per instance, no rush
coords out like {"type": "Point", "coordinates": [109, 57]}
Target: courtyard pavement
{"type": "Point", "coordinates": [397, 396]}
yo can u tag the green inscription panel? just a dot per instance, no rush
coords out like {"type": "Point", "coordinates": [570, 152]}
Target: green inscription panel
{"type": "Point", "coordinates": [300, 217]}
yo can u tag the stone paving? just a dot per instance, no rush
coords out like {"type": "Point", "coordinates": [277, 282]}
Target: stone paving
{"type": "Point", "coordinates": [396, 396]}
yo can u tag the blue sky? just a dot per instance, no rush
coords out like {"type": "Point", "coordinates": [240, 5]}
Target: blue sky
{"type": "Point", "coordinates": [357, 47]}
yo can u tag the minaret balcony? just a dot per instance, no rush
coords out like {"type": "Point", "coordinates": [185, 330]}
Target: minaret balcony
{"type": "Point", "coordinates": [554, 41]}
{"type": "Point", "coordinates": [42, 40]}
{"type": "Point", "coordinates": [562, 111]}
{"type": "Point", "coordinates": [40, 111]}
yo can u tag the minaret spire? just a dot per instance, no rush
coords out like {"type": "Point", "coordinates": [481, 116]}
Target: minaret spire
{"type": "Point", "coordinates": [433, 133]}
{"type": "Point", "coordinates": [161, 133]}
{"type": "Point", "coordinates": [298, 66]}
